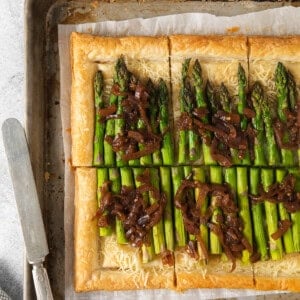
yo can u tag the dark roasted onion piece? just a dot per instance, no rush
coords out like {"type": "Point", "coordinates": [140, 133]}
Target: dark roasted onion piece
{"type": "Point", "coordinates": [283, 227]}
{"type": "Point", "coordinates": [283, 192]}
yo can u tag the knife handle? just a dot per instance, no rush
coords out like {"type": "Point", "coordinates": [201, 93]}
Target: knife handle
{"type": "Point", "coordinates": [41, 282]}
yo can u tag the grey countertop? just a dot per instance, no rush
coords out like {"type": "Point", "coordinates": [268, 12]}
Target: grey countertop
{"type": "Point", "coordinates": [11, 105]}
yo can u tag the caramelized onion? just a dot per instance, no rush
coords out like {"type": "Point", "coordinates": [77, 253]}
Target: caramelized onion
{"type": "Point", "coordinates": [167, 258]}
{"type": "Point", "coordinates": [231, 118]}
{"type": "Point", "coordinates": [115, 90]}
{"type": "Point", "coordinates": [283, 227]}
{"type": "Point", "coordinates": [137, 217]}
{"type": "Point", "coordinates": [109, 110]}
{"type": "Point", "coordinates": [289, 130]}
{"type": "Point", "coordinates": [135, 104]}
{"type": "Point", "coordinates": [249, 113]}
{"type": "Point", "coordinates": [283, 192]}
{"type": "Point", "coordinates": [185, 122]}
{"type": "Point", "coordinates": [228, 226]}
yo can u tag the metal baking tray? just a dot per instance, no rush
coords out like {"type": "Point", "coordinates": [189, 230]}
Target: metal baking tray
{"type": "Point", "coordinates": [43, 124]}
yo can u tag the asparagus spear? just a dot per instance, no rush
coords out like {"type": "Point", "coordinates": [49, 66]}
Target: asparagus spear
{"type": "Point", "coordinates": [114, 177]}
{"type": "Point", "coordinates": [182, 147]}
{"type": "Point", "coordinates": [215, 177]}
{"type": "Point", "coordinates": [258, 216]}
{"type": "Point", "coordinates": [292, 90]}
{"type": "Point", "coordinates": [281, 83]}
{"type": "Point", "coordinates": [242, 104]}
{"type": "Point", "coordinates": [137, 161]}
{"type": "Point", "coordinates": [167, 143]}
{"type": "Point", "coordinates": [122, 77]}
{"type": "Point", "coordinates": [99, 126]}
{"type": "Point", "coordinates": [177, 176]}
{"type": "Point", "coordinates": [147, 159]}
{"type": "Point", "coordinates": [231, 180]}
{"type": "Point", "coordinates": [165, 177]}
{"type": "Point", "coordinates": [295, 217]}
{"type": "Point", "coordinates": [201, 102]}
{"type": "Point", "coordinates": [199, 175]}
{"type": "Point", "coordinates": [276, 250]}
{"type": "Point", "coordinates": [293, 98]}
{"type": "Point", "coordinates": [257, 121]}
{"type": "Point", "coordinates": [168, 159]}
{"type": "Point", "coordinates": [156, 156]}
{"type": "Point", "coordinates": [158, 229]}
{"type": "Point", "coordinates": [211, 97]}
{"type": "Point", "coordinates": [188, 101]}
{"type": "Point", "coordinates": [272, 150]}
{"type": "Point", "coordinates": [284, 215]}
{"type": "Point", "coordinates": [148, 252]}
{"type": "Point", "coordinates": [187, 171]}
{"type": "Point", "coordinates": [225, 103]}
{"type": "Point", "coordinates": [244, 208]}
{"type": "Point", "coordinates": [102, 176]}
{"type": "Point", "coordinates": [224, 98]}
{"type": "Point", "coordinates": [109, 154]}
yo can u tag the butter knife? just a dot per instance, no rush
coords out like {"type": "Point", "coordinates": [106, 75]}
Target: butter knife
{"type": "Point", "coordinates": [28, 205]}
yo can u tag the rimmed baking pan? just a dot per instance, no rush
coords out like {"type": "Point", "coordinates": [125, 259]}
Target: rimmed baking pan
{"type": "Point", "coordinates": [43, 124]}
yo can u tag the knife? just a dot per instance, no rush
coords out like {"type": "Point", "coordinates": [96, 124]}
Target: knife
{"type": "Point", "coordinates": [28, 205]}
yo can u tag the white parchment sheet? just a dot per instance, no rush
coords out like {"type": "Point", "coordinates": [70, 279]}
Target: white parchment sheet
{"type": "Point", "coordinates": [279, 21]}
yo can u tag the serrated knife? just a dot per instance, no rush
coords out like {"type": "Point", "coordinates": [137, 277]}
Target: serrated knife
{"type": "Point", "coordinates": [28, 205]}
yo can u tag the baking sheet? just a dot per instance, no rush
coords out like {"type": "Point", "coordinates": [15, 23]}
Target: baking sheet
{"type": "Point", "coordinates": [281, 21]}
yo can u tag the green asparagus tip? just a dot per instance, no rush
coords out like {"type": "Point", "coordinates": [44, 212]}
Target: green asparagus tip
{"type": "Point", "coordinates": [150, 84]}
{"type": "Point", "coordinates": [210, 94]}
{"type": "Point", "coordinates": [197, 74]}
{"type": "Point", "coordinates": [185, 68]}
{"type": "Point", "coordinates": [257, 96]}
{"type": "Point", "coordinates": [292, 90]}
{"type": "Point", "coordinates": [280, 76]}
{"type": "Point", "coordinates": [209, 89]}
{"type": "Point", "coordinates": [151, 90]}
{"type": "Point", "coordinates": [241, 76]}
{"type": "Point", "coordinates": [98, 83]}
{"type": "Point", "coordinates": [162, 92]}
{"type": "Point", "coordinates": [224, 97]}
{"type": "Point", "coordinates": [188, 97]}
{"type": "Point", "coordinates": [122, 73]}
{"type": "Point", "coordinates": [291, 80]}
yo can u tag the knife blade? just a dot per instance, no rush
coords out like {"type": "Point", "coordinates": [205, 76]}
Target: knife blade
{"type": "Point", "coordinates": [28, 205]}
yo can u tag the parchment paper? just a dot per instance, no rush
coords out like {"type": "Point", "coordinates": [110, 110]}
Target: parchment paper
{"type": "Point", "coordinates": [279, 21]}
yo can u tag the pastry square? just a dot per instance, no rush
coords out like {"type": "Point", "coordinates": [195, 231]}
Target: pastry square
{"type": "Point", "coordinates": [145, 56]}
{"type": "Point", "coordinates": [100, 262]}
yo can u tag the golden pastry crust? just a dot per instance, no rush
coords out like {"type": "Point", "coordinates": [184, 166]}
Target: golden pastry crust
{"type": "Point", "coordinates": [145, 56]}
{"type": "Point", "coordinates": [209, 47]}
{"type": "Point", "coordinates": [101, 263]}
{"type": "Point", "coordinates": [213, 274]}
{"type": "Point", "coordinates": [278, 275]}
{"type": "Point", "coordinates": [285, 48]}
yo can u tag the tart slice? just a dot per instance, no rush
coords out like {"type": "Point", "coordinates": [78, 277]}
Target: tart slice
{"type": "Point", "coordinates": [140, 58]}
{"type": "Point", "coordinates": [204, 69]}
{"type": "Point", "coordinates": [102, 262]}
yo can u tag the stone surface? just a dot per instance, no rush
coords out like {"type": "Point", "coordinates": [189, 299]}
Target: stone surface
{"type": "Point", "coordinates": [11, 105]}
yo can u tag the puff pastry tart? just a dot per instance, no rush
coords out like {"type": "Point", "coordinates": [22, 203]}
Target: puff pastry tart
{"type": "Point", "coordinates": [207, 194]}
